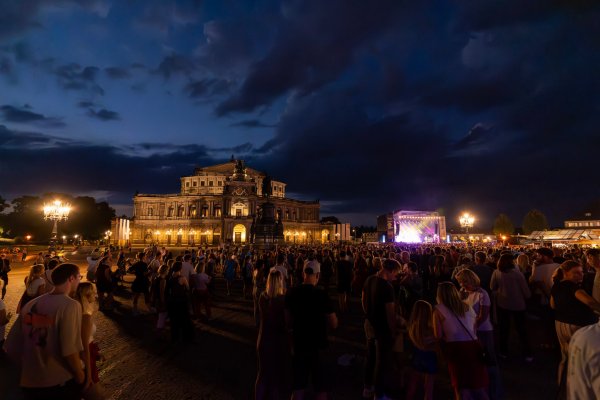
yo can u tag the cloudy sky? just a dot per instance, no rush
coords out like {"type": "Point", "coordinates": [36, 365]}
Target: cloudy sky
{"type": "Point", "coordinates": [369, 106]}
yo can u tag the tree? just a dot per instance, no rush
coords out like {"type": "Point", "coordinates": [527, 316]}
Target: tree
{"type": "Point", "coordinates": [503, 225]}
{"type": "Point", "coordinates": [3, 204]}
{"type": "Point", "coordinates": [534, 220]}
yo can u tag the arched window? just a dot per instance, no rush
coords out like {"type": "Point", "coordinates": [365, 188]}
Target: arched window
{"type": "Point", "coordinates": [150, 211]}
{"type": "Point", "coordinates": [170, 211]}
{"type": "Point", "coordinates": [180, 211]}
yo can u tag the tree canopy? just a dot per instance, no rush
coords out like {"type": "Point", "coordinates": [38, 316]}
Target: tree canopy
{"type": "Point", "coordinates": [503, 225]}
{"type": "Point", "coordinates": [534, 220]}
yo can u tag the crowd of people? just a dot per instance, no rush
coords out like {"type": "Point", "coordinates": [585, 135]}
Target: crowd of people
{"type": "Point", "coordinates": [423, 304]}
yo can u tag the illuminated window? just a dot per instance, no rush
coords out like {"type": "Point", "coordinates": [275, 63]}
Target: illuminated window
{"type": "Point", "coordinates": [204, 212]}
{"type": "Point", "coordinates": [193, 211]}
{"type": "Point", "coordinates": [170, 211]}
{"type": "Point", "coordinates": [180, 211]}
{"type": "Point", "coordinates": [150, 211]}
{"type": "Point", "coordinates": [217, 211]}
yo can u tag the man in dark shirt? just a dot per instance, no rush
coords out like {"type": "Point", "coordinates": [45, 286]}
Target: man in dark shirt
{"type": "Point", "coordinates": [380, 328]}
{"type": "Point", "coordinates": [308, 313]}
{"type": "Point", "coordinates": [343, 269]}
{"type": "Point", "coordinates": [483, 271]}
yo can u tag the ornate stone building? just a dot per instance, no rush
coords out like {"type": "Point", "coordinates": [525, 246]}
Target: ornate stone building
{"type": "Point", "coordinates": [218, 204]}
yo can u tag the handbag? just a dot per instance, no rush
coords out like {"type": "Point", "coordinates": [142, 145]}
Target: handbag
{"type": "Point", "coordinates": [484, 355]}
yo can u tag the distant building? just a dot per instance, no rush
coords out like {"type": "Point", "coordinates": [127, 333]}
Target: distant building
{"type": "Point", "coordinates": [586, 221]}
{"type": "Point", "coordinates": [218, 204]}
{"type": "Point", "coordinates": [385, 228]}
{"type": "Point", "coordinates": [369, 237]}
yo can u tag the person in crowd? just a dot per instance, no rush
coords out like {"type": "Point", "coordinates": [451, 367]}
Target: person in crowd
{"type": "Point", "coordinates": [424, 354]}
{"type": "Point", "coordinates": [524, 265]}
{"type": "Point", "coordinates": [308, 314]}
{"type": "Point", "coordinates": [5, 317]}
{"type": "Point", "coordinates": [592, 256]}
{"type": "Point", "coordinates": [4, 270]}
{"type": "Point", "coordinates": [35, 285]}
{"type": "Point", "coordinates": [229, 272]}
{"type": "Point", "coordinates": [247, 269]}
{"type": "Point", "coordinates": [343, 269]}
{"type": "Point", "coordinates": [280, 265]}
{"type": "Point", "coordinates": [200, 295]}
{"type": "Point", "coordinates": [381, 328]}
{"type": "Point", "coordinates": [360, 273]}
{"type": "Point", "coordinates": [45, 341]}
{"type": "Point", "coordinates": [412, 283]}
{"type": "Point", "coordinates": [86, 296]}
{"type": "Point", "coordinates": [182, 327]}
{"type": "Point", "coordinates": [92, 261]}
{"type": "Point", "coordinates": [583, 377]}
{"type": "Point", "coordinates": [141, 283]}
{"type": "Point", "coordinates": [158, 299]}
{"type": "Point", "coordinates": [478, 299]}
{"type": "Point", "coordinates": [272, 344]}
{"type": "Point", "coordinates": [104, 282]}
{"type": "Point", "coordinates": [511, 291]}
{"type": "Point", "coordinates": [482, 270]}
{"type": "Point", "coordinates": [573, 308]}
{"type": "Point", "coordinates": [454, 326]}
{"type": "Point", "coordinates": [259, 285]}
{"type": "Point", "coordinates": [187, 268]}
{"type": "Point", "coordinates": [326, 270]}
{"type": "Point", "coordinates": [541, 282]}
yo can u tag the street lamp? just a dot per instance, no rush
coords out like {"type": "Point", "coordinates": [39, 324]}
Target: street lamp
{"type": "Point", "coordinates": [56, 211]}
{"type": "Point", "coordinates": [466, 221]}
{"type": "Point", "coordinates": [107, 235]}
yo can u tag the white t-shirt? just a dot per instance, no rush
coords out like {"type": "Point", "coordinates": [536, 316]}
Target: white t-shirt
{"type": "Point", "coordinates": [475, 300]}
{"type": "Point", "coordinates": [34, 285]}
{"type": "Point", "coordinates": [42, 348]}
{"type": "Point", "coordinates": [200, 281]}
{"type": "Point", "coordinates": [187, 270]}
{"type": "Point", "coordinates": [583, 380]}
{"type": "Point", "coordinates": [453, 331]}
{"type": "Point", "coordinates": [282, 270]}
{"type": "Point", "coordinates": [2, 327]}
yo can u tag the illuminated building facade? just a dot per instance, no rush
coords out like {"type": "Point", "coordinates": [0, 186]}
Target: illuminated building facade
{"type": "Point", "coordinates": [218, 204]}
{"type": "Point", "coordinates": [419, 227]}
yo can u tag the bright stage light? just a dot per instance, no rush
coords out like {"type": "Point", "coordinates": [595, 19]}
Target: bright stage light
{"type": "Point", "coordinates": [409, 234]}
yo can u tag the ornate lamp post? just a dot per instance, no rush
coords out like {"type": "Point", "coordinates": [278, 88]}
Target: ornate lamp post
{"type": "Point", "coordinates": [56, 211]}
{"type": "Point", "coordinates": [466, 221]}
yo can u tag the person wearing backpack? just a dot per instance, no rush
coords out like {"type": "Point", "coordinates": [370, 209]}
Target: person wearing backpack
{"type": "Point", "coordinates": [158, 298]}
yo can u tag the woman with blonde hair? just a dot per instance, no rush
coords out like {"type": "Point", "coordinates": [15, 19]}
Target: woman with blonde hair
{"type": "Point", "coordinates": [454, 326]}
{"type": "Point", "coordinates": [524, 265]}
{"type": "Point", "coordinates": [479, 300]}
{"type": "Point", "coordinates": [272, 344]}
{"type": "Point", "coordinates": [424, 357]}
{"type": "Point", "coordinates": [34, 285]}
{"type": "Point", "coordinates": [86, 296]}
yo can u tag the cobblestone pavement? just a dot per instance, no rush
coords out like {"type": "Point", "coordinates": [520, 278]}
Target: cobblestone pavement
{"type": "Point", "coordinates": [221, 364]}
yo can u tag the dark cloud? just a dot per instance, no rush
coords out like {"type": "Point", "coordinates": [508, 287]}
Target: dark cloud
{"type": "Point", "coordinates": [75, 77]}
{"type": "Point", "coordinates": [19, 16]}
{"type": "Point", "coordinates": [325, 54]}
{"type": "Point", "coordinates": [252, 123]}
{"type": "Point", "coordinates": [23, 115]}
{"type": "Point", "coordinates": [117, 73]}
{"type": "Point", "coordinates": [207, 87]}
{"type": "Point", "coordinates": [176, 64]}
{"type": "Point", "coordinates": [104, 115]}
{"type": "Point", "coordinates": [74, 166]}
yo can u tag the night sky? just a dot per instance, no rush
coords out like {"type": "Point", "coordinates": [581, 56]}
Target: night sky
{"type": "Point", "coordinates": [487, 106]}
